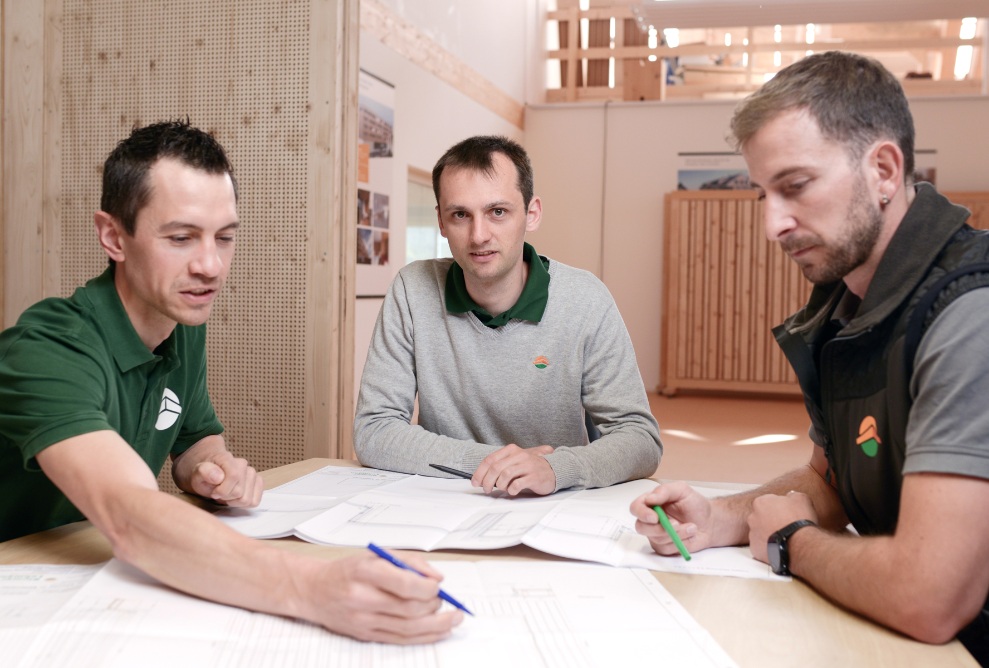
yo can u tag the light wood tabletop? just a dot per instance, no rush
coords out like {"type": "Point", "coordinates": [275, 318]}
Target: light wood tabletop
{"type": "Point", "coordinates": [760, 624]}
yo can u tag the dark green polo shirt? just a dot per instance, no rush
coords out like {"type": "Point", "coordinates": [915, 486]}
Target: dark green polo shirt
{"type": "Point", "coordinates": [74, 366]}
{"type": "Point", "coordinates": [531, 303]}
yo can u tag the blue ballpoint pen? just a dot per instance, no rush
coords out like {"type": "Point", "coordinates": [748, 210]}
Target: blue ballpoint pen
{"type": "Point", "coordinates": [401, 564]}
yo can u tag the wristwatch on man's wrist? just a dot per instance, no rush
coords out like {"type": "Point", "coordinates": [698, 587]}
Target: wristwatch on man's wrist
{"type": "Point", "coordinates": [779, 557]}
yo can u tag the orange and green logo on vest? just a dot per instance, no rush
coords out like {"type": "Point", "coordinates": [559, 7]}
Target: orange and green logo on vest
{"type": "Point", "coordinates": [869, 436]}
{"type": "Point", "coordinates": [541, 362]}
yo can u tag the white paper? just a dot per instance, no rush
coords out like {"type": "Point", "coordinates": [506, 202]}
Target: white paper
{"type": "Point", "coordinates": [395, 510]}
{"type": "Point", "coordinates": [30, 596]}
{"type": "Point", "coordinates": [527, 613]}
{"type": "Point", "coordinates": [285, 507]}
{"type": "Point", "coordinates": [592, 525]}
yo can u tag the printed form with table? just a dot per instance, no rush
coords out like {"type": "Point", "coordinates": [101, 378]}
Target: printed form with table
{"type": "Point", "coordinates": [603, 608]}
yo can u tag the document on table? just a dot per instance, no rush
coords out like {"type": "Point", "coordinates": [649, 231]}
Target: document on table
{"type": "Point", "coordinates": [426, 513]}
{"type": "Point", "coordinates": [527, 613]}
{"type": "Point", "coordinates": [30, 597]}
{"type": "Point", "coordinates": [284, 507]}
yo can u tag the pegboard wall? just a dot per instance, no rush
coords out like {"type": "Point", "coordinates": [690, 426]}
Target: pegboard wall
{"type": "Point", "coordinates": [240, 69]}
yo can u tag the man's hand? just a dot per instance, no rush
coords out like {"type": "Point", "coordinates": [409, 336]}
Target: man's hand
{"type": "Point", "coordinates": [209, 470]}
{"type": "Point", "coordinates": [366, 597]}
{"type": "Point", "coordinates": [770, 513]}
{"type": "Point", "coordinates": [513, 470]}
{"type": "Point", "coordinates": [689, 513]}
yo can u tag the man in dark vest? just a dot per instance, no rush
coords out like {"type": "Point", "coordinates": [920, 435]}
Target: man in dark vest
{"type": "Point", "coordinates": [892, 358]}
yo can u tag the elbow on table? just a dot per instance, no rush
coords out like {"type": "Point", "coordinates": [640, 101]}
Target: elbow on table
{"type": "Point", "coordinates": [359, 448]}
{"type": "Point", "coordinates": [369, 451]}
{"type": "Point", "coordinates": [362, 438]}
{"type": "Point", "coordinates": [654, 454]}
{"type": "Point", "coordinates": [936, 620]}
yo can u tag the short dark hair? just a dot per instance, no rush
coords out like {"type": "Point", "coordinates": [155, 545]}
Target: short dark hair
{"type": "Point", "coordinates": [126, 189]}
{"type": "Point", "coordinates": [854, 99]}
{"type": "Point", "coordinates": [475, 154]}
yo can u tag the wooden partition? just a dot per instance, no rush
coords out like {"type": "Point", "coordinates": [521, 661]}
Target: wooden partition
{"type": "Point", "coordinates": [726, 286]}
{"type": "Point", "coordinates": [974, 201]}
{"type": "Point", "coordinates": [276, 82]}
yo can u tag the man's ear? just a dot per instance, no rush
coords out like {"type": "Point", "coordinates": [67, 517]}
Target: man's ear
{"type": "Point", "coordinates": [534, 215]}
{"type": "Point", "coordinates": [886, 159]}
{"type": "Point", "coordinates": [439, 221]}
{"type": "Point", "coordinates": [109, 232]}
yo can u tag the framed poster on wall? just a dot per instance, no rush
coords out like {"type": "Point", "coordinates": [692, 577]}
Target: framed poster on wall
{"type": "Point", "coordinates": [728, 171]}
{"type": "Point", "coordinates": [711, 171]}
{"type": "Point", "coordinates": [375, 178]}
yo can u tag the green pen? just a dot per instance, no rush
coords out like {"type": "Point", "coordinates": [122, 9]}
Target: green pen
{"type": "Point", "coordinates": [665, 521]}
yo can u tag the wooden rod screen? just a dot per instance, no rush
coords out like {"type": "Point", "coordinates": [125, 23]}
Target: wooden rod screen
{"type": "Point", "coordinates": [726, 286]}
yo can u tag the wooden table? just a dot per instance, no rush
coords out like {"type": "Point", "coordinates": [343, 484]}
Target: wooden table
{"type": "Point", "coordinates": [761, 624]}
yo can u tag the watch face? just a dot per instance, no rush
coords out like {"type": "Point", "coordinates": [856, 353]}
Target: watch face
{"type": "Point", "coordinates": [775, 558]}
{"type": "Point", "coordinates": [776, 550]}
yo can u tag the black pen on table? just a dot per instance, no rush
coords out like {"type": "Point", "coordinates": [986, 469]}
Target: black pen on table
{"type": "Point", "coordinates": [456, 472]}
{"type": "Point", "coordinates": [392, 559]}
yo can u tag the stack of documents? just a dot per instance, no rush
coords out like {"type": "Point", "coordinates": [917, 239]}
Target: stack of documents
{"type": "Point", "coordinates": [354, 507]}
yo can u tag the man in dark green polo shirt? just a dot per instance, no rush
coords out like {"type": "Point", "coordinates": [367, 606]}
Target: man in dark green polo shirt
{"type": "Point", "coordinates": [511, 355]}
{"type": "Point", "coordinates": [98, 389]}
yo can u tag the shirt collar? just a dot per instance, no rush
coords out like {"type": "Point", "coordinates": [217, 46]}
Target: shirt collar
{"type": "Point", "coordinates": [531, 303]}
{"type": "Point", "coordinates": [129, 351]}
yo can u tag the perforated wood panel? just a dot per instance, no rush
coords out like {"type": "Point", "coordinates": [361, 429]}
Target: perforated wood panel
{"type": "Point", "coordinates": [239, 68]}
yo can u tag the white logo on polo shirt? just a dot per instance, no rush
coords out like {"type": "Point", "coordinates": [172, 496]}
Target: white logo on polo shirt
{"type": "Point", "coordinates": [169, 411]}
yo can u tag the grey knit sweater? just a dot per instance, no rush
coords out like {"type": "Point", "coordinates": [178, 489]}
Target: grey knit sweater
{"type": "Point", "coordinates": [525, 383]}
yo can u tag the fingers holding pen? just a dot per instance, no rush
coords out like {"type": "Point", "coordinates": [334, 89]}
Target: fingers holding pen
{"type": "Point", "coordinates": [368, 598]}
{"type": "Point", "coordinates": [688, 516]}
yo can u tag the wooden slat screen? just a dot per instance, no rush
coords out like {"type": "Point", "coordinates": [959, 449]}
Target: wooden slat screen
{"type": "Point", "coordinates": [726, 286]}
{"type": "Point", "coordinates": [977, 203]}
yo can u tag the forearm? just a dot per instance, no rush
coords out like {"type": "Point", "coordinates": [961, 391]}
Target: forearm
{"type": "Point", "coordinates": [173, 541]}
{"type": "Point", "coordinates": [928, 580]}
{"type": "Point", "coordinates": [625, 454]}
{"type": "Point", "coordinates": [188, 549]}
{"type": "Point", "coordinates": [730, 513]}
{"type": "Point", "coordinates": [611, 392]}
{"type": "Point", "coordinates": [391, 443]}
{"type": "Point", "coordinates": [873, 577]}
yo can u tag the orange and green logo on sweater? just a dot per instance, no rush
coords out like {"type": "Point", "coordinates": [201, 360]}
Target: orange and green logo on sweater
{"type": "Point", "coordinates": [541, 362]}
{"type": "Point", "coordinates": [868, 437]}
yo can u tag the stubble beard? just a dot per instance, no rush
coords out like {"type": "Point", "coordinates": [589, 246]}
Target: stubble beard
{"type": "Point", "coordinates": [852, 251]}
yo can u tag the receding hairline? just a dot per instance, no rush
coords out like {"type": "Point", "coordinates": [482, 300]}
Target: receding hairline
{"type": "Point", "coordinates": [489, 171]}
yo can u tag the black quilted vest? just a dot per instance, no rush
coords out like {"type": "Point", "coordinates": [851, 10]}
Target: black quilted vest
{"type": "Point", "coordinates": [855, 378]}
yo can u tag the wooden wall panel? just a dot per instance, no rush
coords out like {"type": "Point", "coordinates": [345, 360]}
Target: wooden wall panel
{"type": "Point", "coordinates": [726, 286]}
{"type": "Point", "coordinates": [23, 156]}
{"type": "Point", "coordinates": [976, 202]}
{"type": "Point", "coordinates": [3, 98]}
{"type": "Point", "coordinates": [276, 82]}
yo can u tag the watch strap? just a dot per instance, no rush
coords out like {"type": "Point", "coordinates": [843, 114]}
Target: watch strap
{"type": "Point", "coordinates": [778, 542]}
{"type": "Point", "coordinates": [792, 527]}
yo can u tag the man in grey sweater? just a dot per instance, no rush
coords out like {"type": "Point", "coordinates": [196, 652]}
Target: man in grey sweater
{"type": "Point", "coordinates": [507, 350]}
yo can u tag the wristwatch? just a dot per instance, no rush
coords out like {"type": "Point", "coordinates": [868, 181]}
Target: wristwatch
{"type": "Point", "coordinates": [779, 557]}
